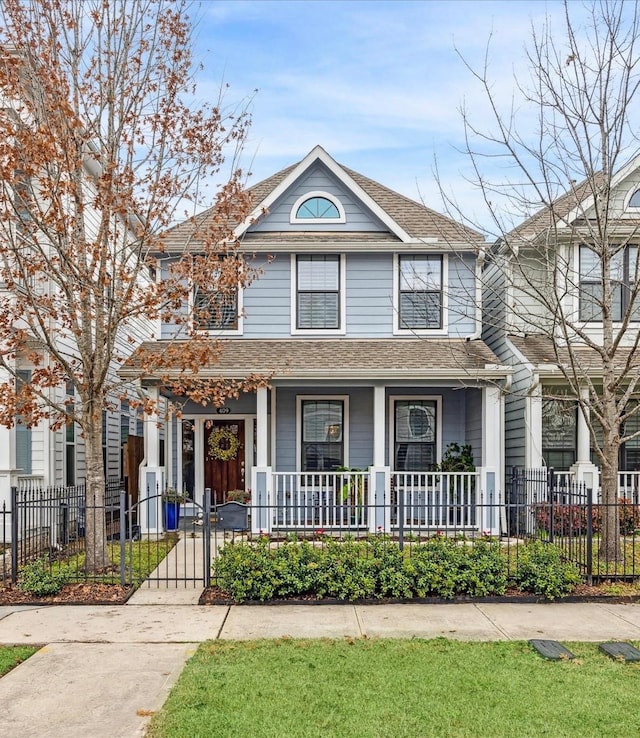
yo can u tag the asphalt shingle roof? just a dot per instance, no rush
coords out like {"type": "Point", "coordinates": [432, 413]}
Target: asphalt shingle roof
{"type": "Point", "coordinates": [413, 217]}
{"type": "Point", "coordinates": [332, 358]}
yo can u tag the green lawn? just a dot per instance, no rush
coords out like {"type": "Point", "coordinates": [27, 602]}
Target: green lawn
{"type": "Point", "coordinates": [11, 656]}
{"type": "Point", "coordinates": [397, 688]}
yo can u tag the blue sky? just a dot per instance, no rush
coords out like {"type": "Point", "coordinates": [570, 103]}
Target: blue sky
{"type": "Point", "coordinates": [378, 84]}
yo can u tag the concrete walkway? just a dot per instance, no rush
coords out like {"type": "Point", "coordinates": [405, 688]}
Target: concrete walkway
{"type": "Point", "coordinates": [105, 669]}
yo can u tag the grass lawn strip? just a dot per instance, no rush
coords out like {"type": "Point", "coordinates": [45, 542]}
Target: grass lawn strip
{"type": "Point", "coordinates": [397, 688]}
{"type": "Point", "coordinates": [11, 656]}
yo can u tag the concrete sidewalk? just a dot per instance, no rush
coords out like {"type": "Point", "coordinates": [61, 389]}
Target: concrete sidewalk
{"type": "Point", "coordinates": [104, 669]}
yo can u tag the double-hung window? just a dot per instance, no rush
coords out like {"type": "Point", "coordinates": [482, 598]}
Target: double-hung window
{"type": "Point", "coordinates": [218, 305]}
{"type": "Point", "coordinates": [622, 275]}
{"type": "Point", "coordinates": [216, 311]}
{"type": "Point", "coordinates": [559, 432]}
{"type": "Point", "coordinates": [318, 292]}
{"type": "Point", "coordinates": [420, 292]}
{"type": "Point", "coordinates": [415, 441]}
{"type": "Point", "coordinates": [322, 434]}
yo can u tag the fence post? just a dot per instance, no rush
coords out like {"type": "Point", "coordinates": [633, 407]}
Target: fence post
{"type": "Point", "coordinates": [207, 536]}
{"type": "Point", "coordinates": [401, 493]}
{"type": "Point", "coordinates": [14, 534]}
{"type": "Point", "coordinates": [589, 536]}
{"type": "Point", "coordinates": [123, 537]}
{"type": "Point", "coordinates": [550, 492]}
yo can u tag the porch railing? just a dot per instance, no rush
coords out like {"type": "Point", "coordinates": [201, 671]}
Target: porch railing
{"type": "Point", "coordinates": [435, 500]}
{"type": "Point", "coordinates": [320, 500]}
{"type": "Point", "coordinates": [628, 484]}
{"type": "Point", "coordinates": [428, 501]}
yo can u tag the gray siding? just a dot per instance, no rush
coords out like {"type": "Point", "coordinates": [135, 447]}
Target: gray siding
{"type": "Point", "coordinates": [461, 292]}
{"type": "Point", "coordinates": [267, 302]}
{"type": "Point", "coordinates": [369, 295]}
{"type": "Point", "coordinates": [473, 431]}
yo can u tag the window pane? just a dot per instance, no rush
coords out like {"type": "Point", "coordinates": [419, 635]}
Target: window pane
{"type": "Point", "coordinates": [216, 310]}
{"type": "Point", "coordinates": [420, 310]}
{"type": "Point", "coordinates": [317, 207]}
{"type": "Point", "coordinates": [558, 423]}
{"type": "Point", "coordinates": [318, 310]}
{"type": "Point", "coordinates": [420, 273]}
{"type": "Point", "coordinates": [322, 435]}
{"type": "Point", "coordinates": [415, 435]}
{"type": "Point", "coordinates": [589, 264]}
{"type": "Point", "coordinates": [322, 421]}
{"type": "Point", "coordinates": [590, 301]}
{"type": "Point", "coordinates": [318, 273]}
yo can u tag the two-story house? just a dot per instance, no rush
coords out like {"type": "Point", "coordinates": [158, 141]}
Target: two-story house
{"type": "Point", "coordinates": [543, 315]}
{"type": "Point", "coordinates": [366, 321]}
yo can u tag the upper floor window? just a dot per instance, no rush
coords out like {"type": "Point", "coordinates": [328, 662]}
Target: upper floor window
{"type": "Point", "coordinates": [318, 207]}
{"type": "Point", "coordinates": [623, 270]}
{"type": "Point", "coordinates": [318, 292]}
{"type": "Point", "coordinates": [215, 311]}
{"type": "Point", "coordinates": [420, 292]}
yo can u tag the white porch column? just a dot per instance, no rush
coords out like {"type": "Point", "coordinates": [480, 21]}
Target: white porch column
{"type": "Point", "coordinates": [492, 412]}
{"type": "Point", "coordinates": [379, 424]}
{"type": "Point", "coordinates": [8, 471]}
{"type": "Point", "coordinates": [491, 471]}
{"type": "Point", "coordinates": [261, 474]}
{"type": "Point", "coordinates": [152, 476]}
{"type": "Point", "coordinates": [380, 475]}
{"type": "Point", "coordinates": [583, 450]}
{"type": "Point", "coordinates": [584, 471]}
{"type": "Point", "coordinates": [262, 427]}
{"type": "Point", "coordinates": [533, 425]}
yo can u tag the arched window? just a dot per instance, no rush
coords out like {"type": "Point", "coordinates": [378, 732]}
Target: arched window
{"type": "Point", "coordinates": [317, 207]}
{"type": "Point", "coordinates": [634, 200]}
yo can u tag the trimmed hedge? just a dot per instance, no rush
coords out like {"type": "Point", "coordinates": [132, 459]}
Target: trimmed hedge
{"type": "Point", "coordinates": [377, 568]}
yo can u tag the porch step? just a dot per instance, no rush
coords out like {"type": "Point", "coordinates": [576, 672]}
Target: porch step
{"type": "Point", "coordinates": [552, 650]}
{"type": "Point", "coordinates": [621, 651]}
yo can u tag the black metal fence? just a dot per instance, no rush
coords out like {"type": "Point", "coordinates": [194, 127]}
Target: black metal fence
{"type": "Point", "coordinates": [52, 523]}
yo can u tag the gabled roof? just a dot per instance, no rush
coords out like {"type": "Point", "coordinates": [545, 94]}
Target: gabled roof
{"type": "Point", "coordinates": [573, 206]}
{"type": "Point", "coordinates": [406, 220]}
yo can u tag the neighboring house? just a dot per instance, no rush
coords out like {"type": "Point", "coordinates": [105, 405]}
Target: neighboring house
{"type": "Point", "coordinates": [366, 320]}
{"type": "Point", "coordinates": [546, 263]}
{"type": "Point", "coordinates": [37, 457]}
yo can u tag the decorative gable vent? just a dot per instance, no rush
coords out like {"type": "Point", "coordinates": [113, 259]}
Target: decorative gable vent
{"type": "Point", "coordinates": [317, 207]}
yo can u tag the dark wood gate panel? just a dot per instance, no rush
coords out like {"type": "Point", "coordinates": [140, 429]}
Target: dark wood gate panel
{"type": "Point", "coordinates": [223, 475]}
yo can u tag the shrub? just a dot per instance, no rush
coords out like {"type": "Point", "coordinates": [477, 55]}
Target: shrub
{"type": "Point", "coordinates": [350, 570]}
{"type": "Point", "coordinates": [541, 570]}
{"type": "Point", "coordinates": [39, 578]}
{"type": "Point", "coordinates": [571, 520]}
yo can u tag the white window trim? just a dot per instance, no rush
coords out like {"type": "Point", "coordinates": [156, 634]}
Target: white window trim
{"type": "Point", "coordinates": [392, 424]}
{"type": "Point", "coordinates": [221, 331]}
{"type": "Point", "coordinates": [342, 300]}
{"type": "Point", "coordinates": [397, 330]}
{"type": "Point", "coordinates": [342, 218]}
{"type": "Point", "coordinates": [627, 199]}
{"type": "Point", "coordinates": [345, 426]}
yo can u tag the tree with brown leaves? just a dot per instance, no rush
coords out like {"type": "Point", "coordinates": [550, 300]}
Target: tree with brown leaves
{"type": "Point", "coordinates": [101, 150]}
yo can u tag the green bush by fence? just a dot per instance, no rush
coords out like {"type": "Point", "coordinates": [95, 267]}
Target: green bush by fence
{"type": "Point", "coordinates": [377, 568]}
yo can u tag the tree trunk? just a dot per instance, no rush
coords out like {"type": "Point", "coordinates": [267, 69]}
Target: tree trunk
{"type": "Point", "coordinates": [610, 549]}
{"type": "Point", "coordinates": [97, 558]}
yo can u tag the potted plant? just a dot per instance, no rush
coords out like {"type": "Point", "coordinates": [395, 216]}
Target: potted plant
{"type": "Point", "coordinates": [456, 458]}
{"type": "Point", "coordinates": [239, 495]}
{"type": "Point", "coordinates": [171, 501]}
